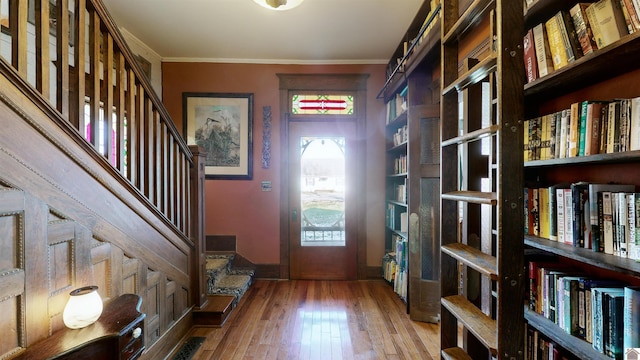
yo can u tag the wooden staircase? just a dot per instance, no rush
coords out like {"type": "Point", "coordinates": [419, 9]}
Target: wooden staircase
{"type": "Point", "coordinates": [226, 284]}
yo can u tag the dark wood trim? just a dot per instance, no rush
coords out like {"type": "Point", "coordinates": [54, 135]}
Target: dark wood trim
{"type": "Point", "coordinates": [268, 271]}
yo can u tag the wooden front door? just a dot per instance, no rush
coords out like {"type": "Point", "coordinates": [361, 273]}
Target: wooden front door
{"type": "Point", "coordinates": [322, 203]}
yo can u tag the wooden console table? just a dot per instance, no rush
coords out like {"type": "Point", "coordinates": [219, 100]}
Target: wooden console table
{"type": "Point", "coordinates": [116, 335]}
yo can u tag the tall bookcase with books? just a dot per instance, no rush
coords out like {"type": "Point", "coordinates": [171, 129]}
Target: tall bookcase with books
{"type": "Point", "coordinates": [411, 94]}
{"type": "Point", "coordinates": [581, 151]}
{"type": "Point", "coordinates": [482, 276]}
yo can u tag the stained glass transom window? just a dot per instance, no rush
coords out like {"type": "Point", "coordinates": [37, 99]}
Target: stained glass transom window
{"type": "Point", "coordinates": [322, 104]}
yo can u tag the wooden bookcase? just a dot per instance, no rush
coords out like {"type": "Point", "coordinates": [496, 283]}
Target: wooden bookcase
{"type": "Point", "coordinates": [608, 73]}
{"type": "Point", "coordinates": [412, 163]}
{"type": "Point", "coordinates": [482, 277]}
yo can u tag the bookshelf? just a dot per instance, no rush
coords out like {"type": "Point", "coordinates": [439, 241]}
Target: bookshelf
{"type": "Point", "coordinates": [608, 73]}
{"type": "Point", "coordinates": [482, 280]}
{"type": "Point", "coordinates": [411, 94]}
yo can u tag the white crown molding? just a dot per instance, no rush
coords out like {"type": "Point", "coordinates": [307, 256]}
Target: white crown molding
{"type": "Point", "coordinates": [279, 61]}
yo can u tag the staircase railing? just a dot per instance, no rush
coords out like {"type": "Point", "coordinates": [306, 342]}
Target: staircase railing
{"type": "Point", "coordinates": [107, 101]}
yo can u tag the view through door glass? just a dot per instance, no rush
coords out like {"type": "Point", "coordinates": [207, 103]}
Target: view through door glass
{"type": "Point", "coordinates": [322, 191]}
{"type": "Point", "coordinates": [322, 231]}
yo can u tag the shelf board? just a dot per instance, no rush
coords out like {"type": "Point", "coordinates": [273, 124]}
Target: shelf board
{"type": "Point", "coordinates": [398, 203]}
{"type": "Point", "coordinates": [399, 233]}
{"type": "Point", "coordinates": [475, 321]}
{"type": "Point", "coordinates": [467, 21]}
{"type": "Point", "coordinates": [579, 347]}
{"type": "Point", "coordinates": [474, 75]}
{"type": "Point", "coordinates": [597, 259]}
{"type": "Point", "coordinates": [619, 157]}
{"type": "Point", "coordinates": [404, 174]}
{"type": "Point", "coordinates": [588, 70]}
{"type": "Point", "coordinates": [476, 197]}
{"type": "Point", "coordinates": [402, 147]}
{"type": "Point", "coordinates": [472, 136]}
{"type": "Point", "coordinates": [399, 120]}
{"type": "Point", "coordinates": [455, 353]}
{"type": "Point", "coordinates": [474, 258]}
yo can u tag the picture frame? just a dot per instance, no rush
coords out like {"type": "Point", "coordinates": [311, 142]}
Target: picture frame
{"type": "Point", "coordinates": [222, 124]}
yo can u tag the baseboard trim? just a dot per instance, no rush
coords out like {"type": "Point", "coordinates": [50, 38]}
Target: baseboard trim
{"type": "Point", "coordinates": [170, 340]}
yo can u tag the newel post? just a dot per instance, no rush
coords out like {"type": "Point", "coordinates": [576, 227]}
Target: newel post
{"type": "Point", "coordinates": [197, 220]}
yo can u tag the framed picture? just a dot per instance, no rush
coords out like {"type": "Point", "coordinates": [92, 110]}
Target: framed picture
{"type": "Point", "coordinates": [222, 125]}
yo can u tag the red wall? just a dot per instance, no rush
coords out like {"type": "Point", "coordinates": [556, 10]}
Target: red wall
{"type": "Point", "coordinates": [239, 207]}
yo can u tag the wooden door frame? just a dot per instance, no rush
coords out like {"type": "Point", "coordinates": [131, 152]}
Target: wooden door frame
{"type": "Point", "coordinates": [357, 84]}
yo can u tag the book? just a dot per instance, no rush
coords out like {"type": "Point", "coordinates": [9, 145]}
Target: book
{"type": "Point", "coordinates": [604, 128]}
{"type": "Point", "coordinates": [564, 120]}
{"type": "Point", "coordinates": [560, 215]}
{"type": "Point", "coordinates": [580, 217]}
{"type": "Point", "coordinates": [574, 130]}
{"type": "Point", "coordinates": [607, 217]}
{"type": "Point", "coordinates": [631, 317]}
{"type": "Point", "coordinates": [614, 302]}
{"type": "Point", "coordinates": [542, 50]}
{"type": "Point", "coordinates": [559, 32]}
{"type": "Point", "coordinates": [633, 248]}
{"type": "Point", "coordinates": [583, 28]}
{"type": "Point", "coordinates": [582, 127]}
{"type": "Point", "coordinates": [607, 22]}
{"type": "Point", "coordinates": [530, 60]}
{"type": "Point", "coordinates": [634, 126]}
{"type": "Point", "coordinates": [627, 17]}
{"type": "Point", "coordinates": [571, 304]}
{"type": "Point", "coordinates": [568, 216]}
{"type": "Point", "coordinates": [592, 128]}
{"type": "Point", "coordinates": [544, 217]}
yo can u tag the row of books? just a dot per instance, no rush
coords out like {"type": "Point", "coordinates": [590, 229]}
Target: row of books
{"type": "Point", "coordinates": [400, 136]}
{"type": "Point", "coordinates": [603, 312]}
{"type": "Point", "coordinates": [540, 347]}
{"type": "Point", "coordinates": [575, 32]}
{"type": "Point", "coordinates": [425, 29]}
{"type": "Point", "coordinates": [586, 128]}
{"type": "Point", "coordinates": [398, 221]}
{"type": "Point", "coordinates": [397, 105]}
{"type": "Point", "coordinates": [601, 217]}
{"type": "Point", "coordinates": [400, 165]}
{"type": "Point", "coordinates": [400, 192]}
{"type": "Point", "coordinates": [394, 265]}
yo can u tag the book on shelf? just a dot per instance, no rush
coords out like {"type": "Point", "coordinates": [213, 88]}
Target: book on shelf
{"type": "Point", "coordinates": [614, 302]}
{"type": "Point", "coordinates": [631, 317]}
{"type": "Point", "coordinates": [530, 61]}
{"type": "Point", "coordinates": [563, 41]}
{"type": "Point", "coordinates": [631, 12]}
{"type": "Point", "coordinates": [542, 50]}
{"type": "Point", "coordinates": [607, 22]}
{"type": "Point", "coordinates": [634, 124]}
{"type": "Point", "coordinates": [583, 28]}
{"type": "Point", "coordinates": [580, 217]}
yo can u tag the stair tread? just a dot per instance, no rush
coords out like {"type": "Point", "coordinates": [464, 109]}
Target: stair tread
{"type": "Point", "coordinates": [455, 353]}
{"type": "Point", "coordinates": [218, 303]}
{"type": "Point", "coordinates": [234, 281]}
{"type": "Point", "coordinates": [477, 322]}
{"type": "Point", "coordinates": [215, 264]}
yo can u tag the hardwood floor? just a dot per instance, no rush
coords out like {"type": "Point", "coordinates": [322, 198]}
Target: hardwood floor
{"type": "Point", "coordinates": [280, 319]}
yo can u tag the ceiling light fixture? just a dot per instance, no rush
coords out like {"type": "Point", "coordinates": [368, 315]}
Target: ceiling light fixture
{"type": "Point", "coordinates": [279, 5]}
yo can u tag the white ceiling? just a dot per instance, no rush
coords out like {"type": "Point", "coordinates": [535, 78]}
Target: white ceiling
{"type": "Point", "coordinates": [316, 32]}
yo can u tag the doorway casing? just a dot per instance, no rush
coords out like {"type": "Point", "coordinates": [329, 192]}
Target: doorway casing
{"type": "Point", "coordinates": [357, 85]}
